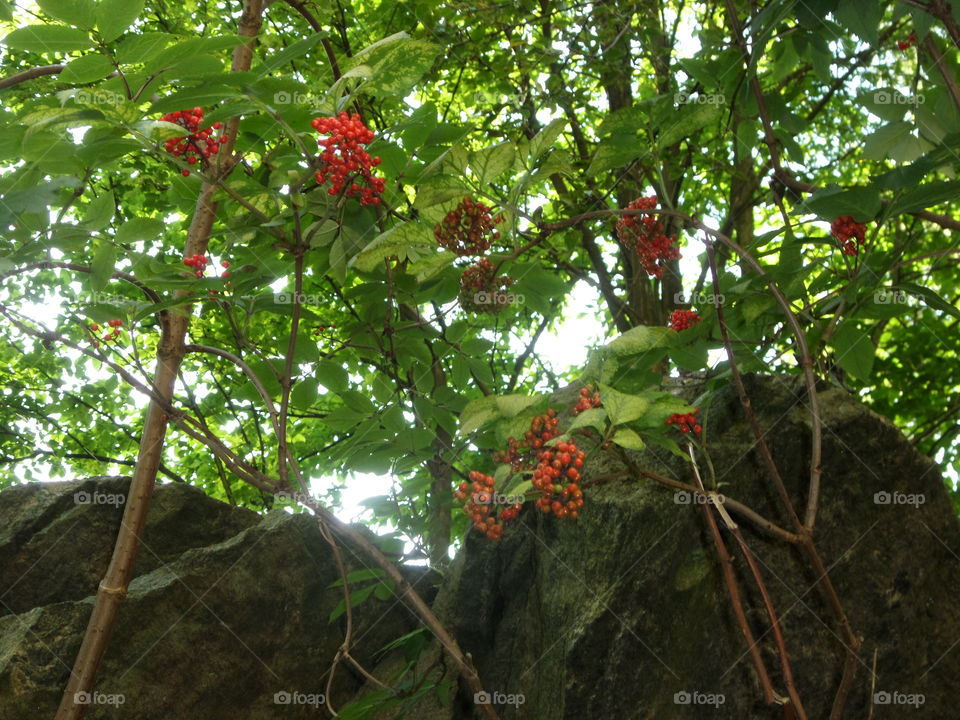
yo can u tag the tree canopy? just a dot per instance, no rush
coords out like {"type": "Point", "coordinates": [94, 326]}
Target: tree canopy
{"type": "Point", "coordinates": [325, 238]}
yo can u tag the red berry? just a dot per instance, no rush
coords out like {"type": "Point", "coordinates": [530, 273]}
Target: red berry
{"type": "Point", "coordinates": [683, 319]}
{"type": "Point", "coordinates": [646, 235]}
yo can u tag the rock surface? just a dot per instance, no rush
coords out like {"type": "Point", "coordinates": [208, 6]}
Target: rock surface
{"type": "Point", "coordinates": [621, 614]}
{"type": "Point", "coordinates": [227, 610]}
{"type": "Point", "coordinates": [624, 614]}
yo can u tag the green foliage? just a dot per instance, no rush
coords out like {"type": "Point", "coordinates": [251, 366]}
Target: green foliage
{"type": "Point", "coordinates": [387, 373]}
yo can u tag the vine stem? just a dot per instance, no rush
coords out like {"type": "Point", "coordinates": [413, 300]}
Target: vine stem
{"type": "Point", "coordinates": [761, 586]}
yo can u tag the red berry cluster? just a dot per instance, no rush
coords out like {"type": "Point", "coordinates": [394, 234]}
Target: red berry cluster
{"type": "Point", "coordinates": [556, 474]}
{"type": "Point", "coordinates": [543, 429]}
{"type": "Point", "coordinates": [110, 334]}
{"type": "Point", "coordinates": [483, 505]}
{"type": "Point", "coordinates": [556, 477]}
{"type": "Point", "coordinates": [467, 229]}
{"type": "Point", "coordinates": [343, 158]}
{"type": "Point", "coordinates": [199, 145]}
{"type": "Point", "coordinates": [683, 319]}
{"type": "Point", "coordinates": [844, 228]}
{"type": "Point", "coordinates": [589, 398]}
{"type": "Point", "coordinates": [482, 290]}
{"type": "Point", "coordinates": [903, 45]}
{"type": "Point", "coordinates": [645, 234]}
{"type": "Point", "coordinates": [686, 422]}
{"type": "Point", "coordinates": [197, 262]}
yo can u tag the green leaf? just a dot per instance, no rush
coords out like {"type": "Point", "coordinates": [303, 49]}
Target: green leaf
{"type": "Point", "coordinates": [47, 39]}
{"type": "Point", "coordinates": [689, 119]}
{"type": "Point", "coordinates": [512, 405]}
{"type": "Point", "coordinates": [115, 16]}
{"type": "Point", "coordinates": [594, 417]}
{"type": "Point", "coordinates": [140, 48]}
{"type": "Point", "coordinates": [622, 408]}
{"type": "Point", "coordinates": [490, 163]}
{"type": "Point", "coordinates": [100, 211]}
{"type": "Point", "coordinates": [929, 297]}
{"type": "Point", "coordinates": [629, 439]}
{"type": "Point", "coordinates": [854, 350]}
{"type": "Point", "coordinates": [878, 144]}
{"type": "Point", "coordinates": [545, 139]}
{"type": "Point", "coordinates": [291, 52]}
{"type": "Point", "coordinates": [478, 412]}
{"type": "Point", "coordinates": [87, 69]}
{"type": "Point", "coordinates": [356, 597]}
{"type": "Point", "coordinates": [861, 203]}
{"type": "Point", "coordinates": [79, 13]}
{"type": "Point", "coordinates": [102, 267]}
{"type": "Point", "coordinates": [139, 228]}
{"type": "Point", "coordinates": [338, 259]}
{"type": "Point", "coordinates": [439, 188]}
{"type": "Point", "coordinates": [395, 241]}
{"type": "Point", "coordinates": [642, 338]}
{"type": "Point", "coordinates": [304, 393]}
{"type": "Point", "coordinates": [400, 67]}
{"type": "Point", "coordinates": [862, 17]}
{"type": "Point", "coordinates": [615, 152]}
{"type": "Point", "coordinates": [331, 375]}
{"type": "Point", "coordinates": [925, 196]}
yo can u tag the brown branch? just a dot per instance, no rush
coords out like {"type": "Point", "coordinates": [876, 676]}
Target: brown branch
{"type": "Point", "coordinates": [805, 530]}
{"type": "Point", "coordinates": [737, 507]}
{"type": "Point", "coordinates": [930, 45]}
{"type": "Point", "coordinates": [170, 352]}
{"type": "Point", "coordinates": [406, 591]}
{"type": "Point", "coordinates": [726, 566]}
{"type": "Point", "coordinates": [301, 7]}
{"type": "Point", "coordinates": [764, 594]}
{"type": "Point", "coordinates": [30, 74]}
{"type": "Point", "coordinates": [55, 264]}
